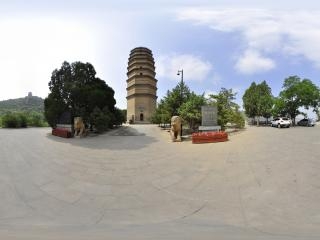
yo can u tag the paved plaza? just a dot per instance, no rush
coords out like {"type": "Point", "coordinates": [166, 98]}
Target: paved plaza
{"type": "Point", "coordinates": [133, 183]}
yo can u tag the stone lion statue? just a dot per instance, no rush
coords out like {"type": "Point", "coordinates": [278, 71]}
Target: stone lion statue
{"type": "Point", "coordinates": [176, 129]}
{"type": "Point", "coordinates": [79, 127]}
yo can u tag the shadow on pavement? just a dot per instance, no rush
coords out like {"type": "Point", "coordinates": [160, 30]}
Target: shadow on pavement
{"type": "Point", "coordinates": [122, 138]}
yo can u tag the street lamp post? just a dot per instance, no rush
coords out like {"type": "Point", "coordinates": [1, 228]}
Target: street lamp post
{"type": "Point", "coordinates": [181, 91]}
{"type": "Point", "coordinates": [180, 72]}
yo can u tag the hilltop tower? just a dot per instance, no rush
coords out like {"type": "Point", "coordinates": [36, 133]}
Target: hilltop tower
{"type": "Point", "coordinates": [141, 86]}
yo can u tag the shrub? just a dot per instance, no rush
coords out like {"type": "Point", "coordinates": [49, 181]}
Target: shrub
{"type": "Point", "coordinates": [101, 119]}
{"type": "Point", "coordinates": [36, 119]}
{"type": "Point", "coordinates": [11, 120]}
{"type": "Point", "coordinates": [120, 116]}
{"type": "Point", "coordinates": [22, 120]}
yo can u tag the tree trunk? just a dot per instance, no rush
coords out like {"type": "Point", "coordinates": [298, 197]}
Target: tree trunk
{"type": "Point", "coordinates": [293, 118]}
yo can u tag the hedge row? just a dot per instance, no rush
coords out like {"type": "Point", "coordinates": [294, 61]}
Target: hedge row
{"type": "Point", "coordinates": [14, 120]}
{"type": "Point", "coordinates": [22, 120]}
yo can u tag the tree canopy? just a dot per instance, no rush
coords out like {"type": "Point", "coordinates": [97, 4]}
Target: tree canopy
{"type": "Point", "coordinates": [258, 100]}
{"type": "Point", "coordinates": [228, 110]}
{"type": "Point", "coordinates": [180, 101]}
{"type": "Point", "coordinates": [75, 88]}
{"type": "Point", "coordinates": [175, 98]}
{"type": "Point", "coordinates": [297, 93]}
{"type": "Point", "coordinates": [190, 110]}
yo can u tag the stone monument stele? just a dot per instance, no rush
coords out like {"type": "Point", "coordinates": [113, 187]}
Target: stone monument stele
{"type": "Point", "coordinates": [209, 119]}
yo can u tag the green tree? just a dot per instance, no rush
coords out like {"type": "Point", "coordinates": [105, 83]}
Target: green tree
{"type": "Point", "coordinates": [250, 98]}
{"type": "Point", "coordinates": [76, 89]}
{"type": "Point", "coordinates": [190, 111]}
{"type": "Point", "coordinates": [228, 110]}
{"type": "Point", "coordinates": [100, 119]}
{"type": "Point", "coordinates": [258, 100]}
{"type": "Point", "coordinates": [317, 111]}
{"type": "Point", "coordinates": [279, 107]}
{"type": "Point", "coordinates": [120, 116]}
{"type": "Point", "coordinates": [266, 100]}
{"type": "Point", "coordinates": [298, 93]}
{"type": "Point", "coordinates": [161, 115]}
{"type": "Point", "coordinates": [169, 106]}
{"type": "Point", "coordinates": [175, 98]}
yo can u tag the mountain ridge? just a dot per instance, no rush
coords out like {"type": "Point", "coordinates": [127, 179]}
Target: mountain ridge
{"type": "Point", "coordinates": [23, 104]}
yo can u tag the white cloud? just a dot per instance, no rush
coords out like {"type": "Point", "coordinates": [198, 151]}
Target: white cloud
{"type": "Point", "coordinates": [252, 62]}
{"type": "Point", "coordinates": [194, 68]}
{"type": "Point", "coordinates": [264, 32]}
{"type": "Point", "coordinates": [32, 49]}
{"type": "Point", "coordinates": [207, 93]}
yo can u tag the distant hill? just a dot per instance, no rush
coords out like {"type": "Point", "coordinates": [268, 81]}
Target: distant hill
{"type": "Point", "coordinates": [25, 104]}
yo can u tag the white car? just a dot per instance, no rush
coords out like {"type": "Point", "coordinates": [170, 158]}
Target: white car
{"type": "Point", "coordinates": [281, 122]}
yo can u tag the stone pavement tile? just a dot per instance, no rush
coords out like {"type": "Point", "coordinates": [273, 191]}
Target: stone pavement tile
{"type": "Point", "coordinates": [128, 189]}
{"type": "Point", "coordinates": [92, 177]}
{"type": "Point", "coordinates": [91, 188]}
{"type": "Point", "coordinates": [99, 171]}
{"type": "Point", "coordinates": [167, 181]}
{"type": "Point", "coordinates": [72, 215]}
{"type": "Point", "coordinates": [96, 203]}
{"type": "Point", "coordinates": [123, 171]}
{"type": "Point", "coordinates": [191, 182]}
{"type": "Point", "coordinates": [47, 206]}
{"type": "Point", "coordinates": [12, 206]}
{"type": "Point", "coordinates": [61, 192]}
{"type": "Point", "coordinates": [15, 225]}
{"type": "Point", "coordinates": [229, 212]}
{"type": "Point", "coordinates": [145, 176]}
{"type": "Point", "coordinates": [40, 178]}
{"type": "Point", "coordinates": [121, 180]}
{"type": "Point", "coordinates": [126, 202]}
{"type": "Point", "coordinates": [57, 168]}
{"type": "Point", "coordinates": [163, 212]}
{"type": "Point", "coordinates": [79, 175]}
{"type": "Point", "coordinates": [27, 190]}
{"type": "Point", "coordinates": [74, 166]}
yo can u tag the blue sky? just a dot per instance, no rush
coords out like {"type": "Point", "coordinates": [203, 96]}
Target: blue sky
{"type": "Point", "coordinates": [217, 43]}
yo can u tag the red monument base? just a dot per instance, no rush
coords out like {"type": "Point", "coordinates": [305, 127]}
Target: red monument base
{"type": "Point", "coordinates": [209, 137]}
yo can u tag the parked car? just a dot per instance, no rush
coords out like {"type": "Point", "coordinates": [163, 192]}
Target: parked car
{"type": "Point", "coordinates": [281, 122]}
{"type": "Point", "coordinates": [308, 122]}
